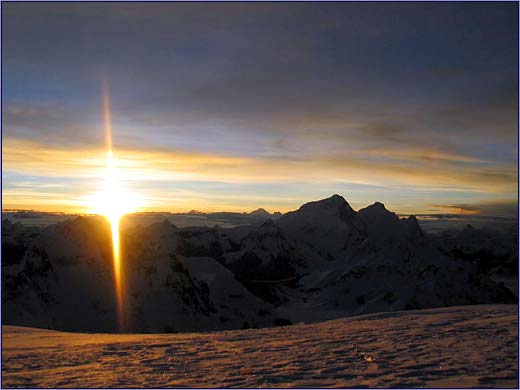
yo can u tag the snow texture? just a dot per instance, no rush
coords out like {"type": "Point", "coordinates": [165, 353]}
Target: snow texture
{"type": "Point", "coordinates": [468, 346]}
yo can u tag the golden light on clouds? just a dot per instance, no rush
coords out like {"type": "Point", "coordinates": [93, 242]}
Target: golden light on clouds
{"type": "Point", "coordinates": [144, 170]}
{"type": "Point", "coordinates": [266, 128]}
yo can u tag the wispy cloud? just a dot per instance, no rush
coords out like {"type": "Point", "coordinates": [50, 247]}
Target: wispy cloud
{"type": "Point", "coordinates": [139, 166]}
{"type": "Point", "coordinates": [497, 207]}
{"type": "Point", "coordinates": [261, 95]}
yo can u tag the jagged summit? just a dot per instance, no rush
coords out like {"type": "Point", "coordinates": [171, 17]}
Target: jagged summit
{"type": "Point", "coordinates": [330, 212]}
{"type": "Point", "coordinates": [412, 221]}
{"type": "Point", "coordinates": [260, 212]}
{"type": "Point", "coordinates": [412, 228]}
{"type": "Point", "coordinates": [336, 198]}
{"type": "Point", "coordinates": [377, 210]}
{"type": "Point", "coordinates": [375, 206]}
{"type": "Point", "coordinates": [335, 202]}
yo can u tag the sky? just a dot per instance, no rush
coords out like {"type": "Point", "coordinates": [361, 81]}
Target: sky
{"type": "Point", "coordinates": [235, 106]}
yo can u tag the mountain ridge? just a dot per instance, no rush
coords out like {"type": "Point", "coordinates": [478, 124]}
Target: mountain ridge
{"type": "Point", "coordinates": [321, 261]}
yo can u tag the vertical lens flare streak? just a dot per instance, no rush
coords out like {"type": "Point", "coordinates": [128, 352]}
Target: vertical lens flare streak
{"type": "Point", "coordinates": [116, 252]}
{"type": "Point", "coordinates": [113, 201]}
{"type": "Point", "coordinates": [111, 210]}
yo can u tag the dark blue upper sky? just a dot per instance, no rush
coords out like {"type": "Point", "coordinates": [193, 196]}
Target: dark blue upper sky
{"type": "Point", "coordinates": [394, 95]}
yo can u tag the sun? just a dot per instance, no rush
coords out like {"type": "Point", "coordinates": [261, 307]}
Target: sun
{"type": "Point", "coordinates": [113, 201]}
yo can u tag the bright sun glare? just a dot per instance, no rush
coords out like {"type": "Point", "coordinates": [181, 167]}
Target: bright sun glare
{"type": "Point", "coordinates": [113, 201]}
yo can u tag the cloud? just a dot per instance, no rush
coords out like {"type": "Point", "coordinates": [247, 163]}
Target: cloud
{"type": "Point", "coordinates": [28, 157]}
{"type": "Point", "coordinates": [61, 178]}
{"type": "Point", "coordinates": [415, 96]}
{"type": "Point", "coordinates": [498, 208]}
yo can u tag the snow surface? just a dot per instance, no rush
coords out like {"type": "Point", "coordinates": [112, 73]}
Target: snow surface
{"type": "Point", "coordinates": [466, 346]}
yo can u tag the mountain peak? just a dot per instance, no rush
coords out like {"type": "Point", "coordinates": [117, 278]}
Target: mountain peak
{"type": "Point", "coordinates": [321, 211]}
{"type": "Point", "coordinates": [412, 227]}
{"type": "Point", "coordinates": [332, 201]}
{"type": "Point", "coordinates": [376, 208]}
{"type": "Point", "coordinates": [336, 198]}
{"type": "Point", "coordinates": [378, 217]}
{"type": "Point", "coordinates": [413, 219]}
{"type": "Point", "coordinates": [260, 212]}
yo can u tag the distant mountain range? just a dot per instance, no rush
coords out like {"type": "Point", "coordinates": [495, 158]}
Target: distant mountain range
{"type": "Point", "coordinates": [322, 261]}
{"type": "Point", "coordinates": [191, 218]}
{"type": "Point", "coordinates": [432, 223]}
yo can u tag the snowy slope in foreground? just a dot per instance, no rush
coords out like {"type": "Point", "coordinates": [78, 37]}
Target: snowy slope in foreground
{"type": "Point", "coordinates": [467, 346]}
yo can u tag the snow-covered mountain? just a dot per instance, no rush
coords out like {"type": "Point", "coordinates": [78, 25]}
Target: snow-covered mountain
{"type": "Point", "coordinates": [65, 281]}
{"type": "Point", "coordinates": [322, 261]}
{"type": "Point", "coordinates": [492, 252]}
